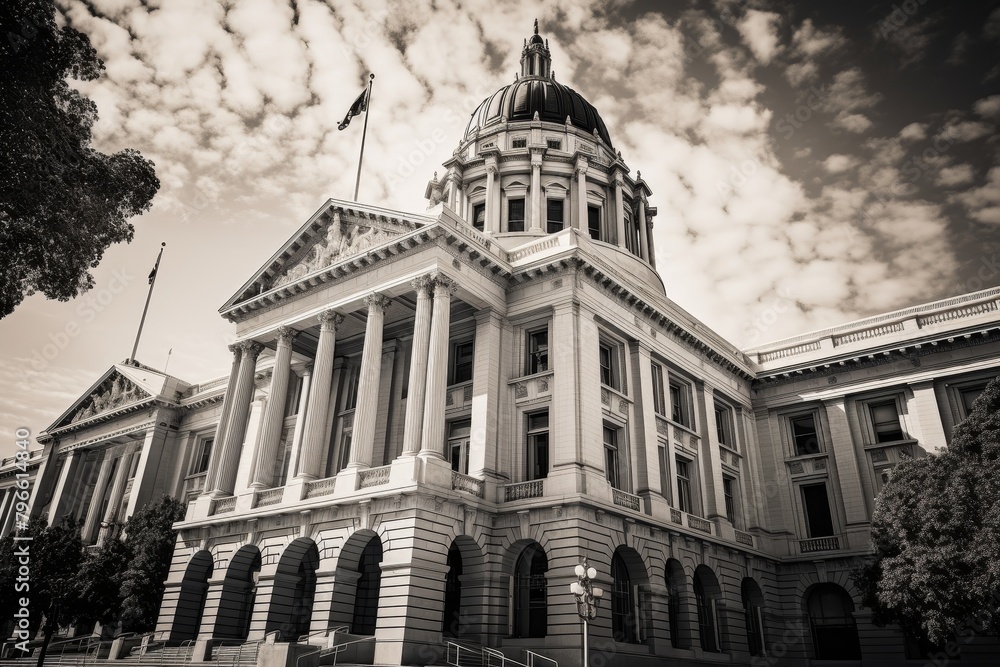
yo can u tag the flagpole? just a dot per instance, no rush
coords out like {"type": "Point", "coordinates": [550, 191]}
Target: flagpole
{"type": "Point", "coordinates": [368, 106]}
{"type": "Point", "coordinates": [149, 294]}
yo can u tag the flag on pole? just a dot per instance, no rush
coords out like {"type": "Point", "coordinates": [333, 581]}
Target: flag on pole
{"type": "Point", "coordinates": [360, 106]}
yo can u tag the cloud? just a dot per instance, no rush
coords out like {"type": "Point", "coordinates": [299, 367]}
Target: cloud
{"type": "Point", "coordinates": [852, 122]}
{"type": "Point", "coordinates": [809, 45]}
{"type": "Point", "coordinates": [960, 174]}
{"type": "Point", "coordinates": [838, 164]}
{"type": "Point", "coordinates": [988, 107]}
{"type": "Point", "coordinates": [983, 203]}
{"type": "Point", "coordinates": [759, 31]}
{"type": "Point", "coordinates": [911, 40]}
{"type": "Point", "coordinates": [914, 132]}
{"type": "Point", "coordinates": [963, 131]}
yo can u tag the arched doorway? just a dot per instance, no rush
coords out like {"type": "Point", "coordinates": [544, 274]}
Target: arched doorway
{"type": "Point", "coordinates": [294, 590]}
{"type": "Point", "coordinates": [369, 583]}
{"type": "Point", "coordinates": [753, 612]}
{"type": "Point", "coordinates": [677, 599]}
{"type": "Point", "coordinates": [191, 602]}
{"type": "Point", "coordinates": [530, 599]}
{"type": "Point", "coordinates": [628, 575]}
{"type": "Point", "coordinates": [451, 623]}
{"type": "Point", "coordinates": [707, 594]}
{"type": "Point", "coordinates": [831, 620]}
{"type": "Point", "coordinates": [239, 594]}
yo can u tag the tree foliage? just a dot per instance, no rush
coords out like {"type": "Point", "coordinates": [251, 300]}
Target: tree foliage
{"type": "Point", "coordinates": [936, 535]}
{"type": "Point", "coordinates": [62, 203]}
{"type": "Point", "coordinates": [149, 538]}
{"type": "Point", "coordinates": [100, 582]}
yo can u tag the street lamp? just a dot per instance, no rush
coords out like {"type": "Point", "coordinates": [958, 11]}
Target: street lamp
{"type": "Point", "coordinates": [588, 597]}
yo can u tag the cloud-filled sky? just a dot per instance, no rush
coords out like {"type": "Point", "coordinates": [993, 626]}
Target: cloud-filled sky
{"type": "Point", "coordinates": [811, 162]}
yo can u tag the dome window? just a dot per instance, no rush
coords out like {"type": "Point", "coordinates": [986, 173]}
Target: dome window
{"type": "Point", "coordinates": [554, 215]}
{"type": "Point", "coordinates": [515, 215]}
{"type": "Point", "coordinates": [554, 144]}
{"type": "Point", "coordinates": [519, 142]}
{"type": "Point", "coordinates": [479, 216]}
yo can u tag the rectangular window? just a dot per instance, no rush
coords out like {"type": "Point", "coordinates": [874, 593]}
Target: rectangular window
{"type": "Point", "coordinates": [515, 215]}
{"type": "Point", "coordinates": [538, 445]}
{"type": "Point", "coordinates": [609, 365]}
{"type": "Point", "coordinates": [293, 396]}
{"type": "Point", "coordinates": [555, 144]}
{"type": "Point", "coordinates": [680, 402]}
{"type": "Point", "coordinates": [683, 485]}
{"type": "Point", "coordinates": [804, 435]}
{"type": "Point", "coordinates": [611, 469]}
{"type": "Point", "coordinates": [594, 222]}
{"type": "Point", "coordinates": [479, 216]}
{"type": "Point", "coordinates": [728, 484]}
{"type": "Point", "coordinates": [519, 142]}
{"type": "Point", "coordinates": [281, 462]}
{"type": "Point", "coordinates": [819, 522]}
{"type": "Point", "coordinates": [538, 351]}
{"type": "Point", "coordinates": [661, 453]}
{"type": "Point", "coordinates": [458, 445]}
{"type": "Point", "coordinates": [724, 426]}
{"type": "Point", "coordinates": [885, 421]}
{"type": "Point", "coordinates": [461, 362]}
{"type": "Point", "coordinates": [968, 395]}
{"type": "Point", "coordinates": [204, 456]}
{"type": "Point", "coordinates": [659, 399]}
{"type": "Point", "coordinates": [554, 215]}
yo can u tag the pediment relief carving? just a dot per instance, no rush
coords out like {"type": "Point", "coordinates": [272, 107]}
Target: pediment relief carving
{"type": "Point", "coordinates": [115, 392]}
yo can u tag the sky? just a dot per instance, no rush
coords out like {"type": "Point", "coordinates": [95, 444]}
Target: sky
{"type": "Point", "coordinates": [811, 163]}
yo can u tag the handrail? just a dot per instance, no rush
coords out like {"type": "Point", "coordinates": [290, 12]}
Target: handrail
{"type": "Point", "coordinates": [458, 652]}
{"type": "Point", "coordinates": [256, 645]}
{"type": "Point", "coordinates": [532, 656]}
{"type": "Point", "coordinates": [504, 660]}
{"type": "Point", "coordinates": [335, 650]}
{"type": "Point", "coordinates": [334, 628]}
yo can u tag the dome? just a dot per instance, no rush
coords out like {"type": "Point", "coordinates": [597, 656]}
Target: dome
{"type": "Point", "coordinates": [537, 92]}
{"type": "Point", "coordinates": [552, 101]}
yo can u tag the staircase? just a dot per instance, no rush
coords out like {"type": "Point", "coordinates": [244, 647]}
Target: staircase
{"type": "Point", "coordinates": [461, 653]}
{"type": "Point", "coordinates": [238, 655]}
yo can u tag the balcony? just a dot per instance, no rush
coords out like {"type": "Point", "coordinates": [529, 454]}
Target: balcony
{"type": "Point", "coordinates": [831, 543]}
{"type": "Point", "coordinates": [467, 484]}
{"type": "Point", "coordinates": [522, 490]}
{"type": "Point", "coordinates": [373, 477]}
{"type": "Point", "coordinates": [699, 524]}
{"type": "Point", "coordinates": [627, 500]}
{"type": "Point", "coordinates": [321, 487]}
{"type": "Point", "coordinates": [223, 505]}
{"type": "Point", "coordinates": [744, 538]}
{"type": "Point", "coordinates": [269, 497]}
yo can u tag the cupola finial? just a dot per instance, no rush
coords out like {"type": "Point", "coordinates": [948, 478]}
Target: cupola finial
{"type": "Point", "coordinates": [536, 59]}
{"type": "Point", "coordinates": [536, 26]}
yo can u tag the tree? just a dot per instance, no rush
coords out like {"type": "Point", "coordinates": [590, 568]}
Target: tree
{"type": "Point", "coordinates": [62, 203]}
{"type": "Point", "coordinates": [149, 538]}
{"type": "Point", "coordinates": [936, 535]}
{"type": "Point", "coordinates": [54, 557]}
{"type": "Point", "coordinates": [100, 582]}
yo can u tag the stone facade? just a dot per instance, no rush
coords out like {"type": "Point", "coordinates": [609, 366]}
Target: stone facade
{"type": "Point", "coordinates": [430, 419]}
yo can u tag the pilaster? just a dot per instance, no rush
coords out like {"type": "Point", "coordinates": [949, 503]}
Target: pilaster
{"type": "Point", "coordinates": [485, 393]}
{"type": "Point", "coordinates": [236, 429]}
{"type": "Point", "coordinates": [846, 460]}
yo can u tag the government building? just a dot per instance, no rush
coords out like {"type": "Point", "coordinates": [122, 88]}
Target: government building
{"type": "Point", "coordinates": [433, 418]}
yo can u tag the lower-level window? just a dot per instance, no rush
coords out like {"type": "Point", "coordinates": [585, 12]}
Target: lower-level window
{"type": "Point", "coordinates": [831, 620]}
{"type": "Point", "coordinates": [458, 445]}
{"type": "Point", "coordinates": [611, 461]}
{"type": "Point", "coordinates": [538, 445]}
{"type": "Point", "coordinates": [819, 522]}
{"type": "Point", "coordinates": [683, 485]}
{"type": "Point", "coordinates": [530, 612]}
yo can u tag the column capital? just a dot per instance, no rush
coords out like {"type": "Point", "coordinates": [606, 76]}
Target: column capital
{"type": "Point", "coordinates": [443, 285]}
{"type": "Point", "coordinates": [329, 320]}
{"type": "Point", "coordinates": [286, 335]}
{"type": "Point", "coordinates": [250, 348]}
{"type": "Point", "coordinates": [423, 285]}
{"type": "Point", "coordinates": [377, 301]}
{"type": "Point", "coordinates": [236, 350]}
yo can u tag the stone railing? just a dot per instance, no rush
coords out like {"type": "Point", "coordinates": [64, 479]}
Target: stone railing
{"type": "Point", "coordinates": [819, 544]}
{"type": "Point", "coordinates": [550, 242]}
{"type": "Point", "coordinates": [787, 352]}
{"type": "Point", "coordinates": [224, 505]}
{"type": "Point", "coordinates": [699, 524]}
{"type": "Point", "coordinates": [957, 313]}
{"type": "Point", "coordinates": [467, 484]}
{"type": "Point", "coordinates": [625, 499]}
{"type": "Point", "coordinates": [874, 332]}
{"type": "Point", "coordinates": [269, 497]}
{"type": "Point", "coordinates": [321, 487]}
{"type": "Point", "coordinates": [373, 477]}
{"type": "Point", "coordinates": [676, 516]}
{"type": "Point", "coordinates": [744, 538]}
{"type": "Point", "coordinates": [523, 490]}
{"type": "Point", "coordinates": [194, 483]}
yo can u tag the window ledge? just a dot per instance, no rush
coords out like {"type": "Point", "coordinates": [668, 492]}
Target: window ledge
{"type": "Point", "coordinates": [682, 427]}
{"type": "Point", "coordinates": [533, 376]}
{"type": "Point", "coordinates": [891, 443]}
{"type": "Point", "coordinates": [459, 385]}
{"type": "Point", "coordinates": [807, 457]}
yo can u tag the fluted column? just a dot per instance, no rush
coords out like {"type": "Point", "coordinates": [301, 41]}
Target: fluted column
{"type": "Point", "coordinates": [363, 435]}
{"type": "Point", "coordinates": [99, 488]}
{"type": "Point", "coordinates": [437, 370]}
{"type": "Point", "coordinates": [220, 431]}
{"type": "Point", "coordinates": [414, 420]}
{"type": "Point", "coordinates": [318, 411]}
{"type": "Point", "coordinates": [536, 191]}
{"type": "Point", "coordinates": [300, 421]}
{"type": "Point", "coordinates": [619, 211]}
{"type": "Point", "coordinates": [117, 492]}
{"type": "Point", "coordinates": [229, 463]}
{"type": "Point", "coordinates": [643, 231]}
{"type": "Point", "coordinates": [491, 223]}
{"type": "Point", "coordinates": [581, 194]}
{"type": "Point", "coordinates": [274, 413]}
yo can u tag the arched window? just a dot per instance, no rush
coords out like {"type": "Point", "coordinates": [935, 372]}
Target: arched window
{"type": "Point", "coordinates": [624, 620]}
{"type": "Point", "coordinates": [706, 595]}
{"type": "Point", "coordinates": [294, 590]}
{"type": "Point", "coordinates": [831, 619]}
{"type": "Point", "coordinates": [239, 594]}
{"type": "Point", "coordinates": [753, 611]}
{"type": "Point", "coordinates": [530, 593]}
{"type": "Point", "coordinates": [366, 595]}
{"type": "Point", "coordinates": [191, 601]}
{"type": "Point", "coordinates": [452, 593]}
{"type": "Point", "coordinates": [675, 591]}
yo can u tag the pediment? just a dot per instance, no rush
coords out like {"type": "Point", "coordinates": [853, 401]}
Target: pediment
{"type": "Point", "coordinates": [336, 232]}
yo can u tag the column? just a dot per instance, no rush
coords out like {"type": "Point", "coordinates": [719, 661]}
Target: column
{"type": "Point", "coordinates": [619, 210]}
{"type": "Point", "coordinates": [317, 412]}
{"type": "Point", "coordinates": [492, 196]}
{"type": "Point", "coordinates": [95, 502]}
{"type": "Point", "coordinates": [581, 194]}
{"type": "Point", "coordinates": [536, 190]}
{"type": "Point", "coordinates": [711, 464]}
{"type": "Point", "coordinates": [485, 393]}
{"type": "Point", "coordinates": [58, 502]}
{"type": "Point", "coordinates": [220, 432]}
{"type": "Point", "coordinates": [414, 418]}
{"type": "Point", "coordinates": [363, 435]}
{"type": "Point", "coordinates": [643, 230]}
{"type": "Point", "coordinates": [293, 465]}
{"type": "Point", "coordinates": [652, 249]}
{"type": "Point", "coordinates": [848, 472]}
{"type": "Point", "coordinates": [923, 408]}
{"type": "Point", "coordinates": [647, 442]}
{"type": "Point", "coordinates": [274, 413]}
{"type": "Point", "coordinates": [117, 493]}
{"type": "Point", "coordinates": [437, 370]}
{"type": "Point", "coordinates": [236, 429]}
